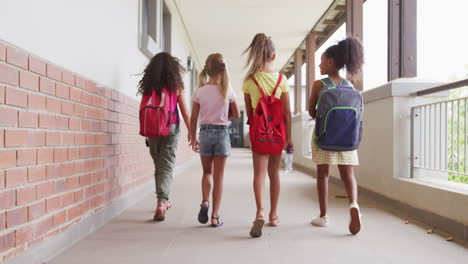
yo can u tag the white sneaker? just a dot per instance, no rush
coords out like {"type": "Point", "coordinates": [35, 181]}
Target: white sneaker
{"type": "Point", "coordinates": [320, 221]}
{"type": "Point", "coordinates": [355, 218]}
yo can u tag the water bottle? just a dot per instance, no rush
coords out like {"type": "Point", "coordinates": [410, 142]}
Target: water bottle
{"type": "Point", "coordinates": [288, 161]}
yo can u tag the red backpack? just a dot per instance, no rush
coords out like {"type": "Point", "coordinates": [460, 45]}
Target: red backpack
{"type": "Point", "coordinates": [156, 113]}
{"type": "Point", "coordinates": [267, 130]}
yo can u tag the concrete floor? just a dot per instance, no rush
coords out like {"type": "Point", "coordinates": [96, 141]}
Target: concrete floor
{"type": "Point", "coordinates": [133, 238]}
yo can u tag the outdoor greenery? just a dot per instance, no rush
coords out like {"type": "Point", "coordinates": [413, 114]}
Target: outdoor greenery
{"type": "Point", "coordinates": [457, 161]}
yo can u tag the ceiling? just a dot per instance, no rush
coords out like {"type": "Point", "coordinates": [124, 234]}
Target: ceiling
{"type": "Point", "coordinates": [228, 27]}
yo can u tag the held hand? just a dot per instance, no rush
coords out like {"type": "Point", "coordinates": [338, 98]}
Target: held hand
{"type": "Point", "coordinates": [290, 145]}
{"type": "Point", "coordinates": [189, 139]}
{"type": "Point", "coordinates": [195, 145]}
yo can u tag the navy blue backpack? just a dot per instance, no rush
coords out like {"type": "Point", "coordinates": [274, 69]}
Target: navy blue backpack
{"type": "Point", "coordinates": [339, 116]}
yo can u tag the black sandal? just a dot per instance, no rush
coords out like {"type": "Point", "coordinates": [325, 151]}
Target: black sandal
{"type": "Point", "coordinates": [256, 230]}
{"type": "Point", "coordinates": [203, 214]}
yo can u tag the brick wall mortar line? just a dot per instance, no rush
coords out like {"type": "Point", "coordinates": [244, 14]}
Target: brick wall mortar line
{"type": "Point", "coordinates": [7, 230]}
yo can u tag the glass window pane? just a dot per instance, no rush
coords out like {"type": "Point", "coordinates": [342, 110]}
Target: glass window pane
{"type": "Point", "coordinates": [151, 12]}
{"type": "Point", "coordinates": [375, 42]}
{"type": "Point", "coordinates": [303, 86]}
{"type": "Point", "coordinates": [291, 93]}
{"type": "Point", "coordinates": [442, 40]}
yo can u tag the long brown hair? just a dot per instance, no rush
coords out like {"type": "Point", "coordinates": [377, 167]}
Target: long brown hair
{"type": "Point", "coordinates": [215, 65]}
{"type": "Point", "coordinates": [162, 70]}
{"type": "Point", "coordinates": [260, 52]}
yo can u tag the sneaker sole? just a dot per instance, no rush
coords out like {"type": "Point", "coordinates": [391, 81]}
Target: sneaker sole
{"type": "Point", "coordinates": [256, 230]}
{"type": "Point", "coordinates": [355, 225]}
{"type": "Point", "coordinates": [326, 225]}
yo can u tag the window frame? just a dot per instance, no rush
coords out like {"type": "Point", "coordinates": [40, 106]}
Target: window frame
{"type": "Point", "coordinates": [147, 45]}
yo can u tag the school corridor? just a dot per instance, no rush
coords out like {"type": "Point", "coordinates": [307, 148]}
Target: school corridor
{"type": "Point", "coordinates": [76, 178]}
{"type": "Point", "coordinates": [133, 237]}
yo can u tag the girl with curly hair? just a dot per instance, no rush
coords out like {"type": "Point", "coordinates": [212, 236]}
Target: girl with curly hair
{"type": "Point", "coordinates": [164, 71]}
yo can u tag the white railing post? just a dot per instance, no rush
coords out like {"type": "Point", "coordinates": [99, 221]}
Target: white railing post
{"type": "Point", "coordinates": [415, 140]}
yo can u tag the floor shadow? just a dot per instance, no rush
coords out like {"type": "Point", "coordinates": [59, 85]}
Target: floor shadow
{"type": "Point", "coordinates": [239, 238]}
{"type": "Point", "coordinates": [342, 235]}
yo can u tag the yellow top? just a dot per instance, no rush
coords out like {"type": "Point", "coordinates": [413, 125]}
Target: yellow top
{"type": "Point", "coordinates": [267, 81]}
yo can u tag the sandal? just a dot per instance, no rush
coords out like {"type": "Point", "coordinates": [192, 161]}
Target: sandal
{"type": "Point", "coordinates": [203, 214]}
{"type": "Point", "coordinates": [273, 221]}
{"type": "Point", "coordinates": [256, 230]}
{"type": "Point", "coordinates": [220, 223]}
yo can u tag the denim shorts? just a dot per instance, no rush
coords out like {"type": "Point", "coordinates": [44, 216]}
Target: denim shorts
{"type": "Point", "coordinates": [214, 140]}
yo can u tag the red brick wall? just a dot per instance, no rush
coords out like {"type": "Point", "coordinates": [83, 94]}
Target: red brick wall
{"type": "Point", "coordinates": [68, 147]}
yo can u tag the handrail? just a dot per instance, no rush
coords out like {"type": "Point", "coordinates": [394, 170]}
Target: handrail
{"type": "Point", "coordinates": [444, 87]}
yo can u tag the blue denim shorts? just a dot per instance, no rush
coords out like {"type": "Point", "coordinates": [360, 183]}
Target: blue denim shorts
{"type": "Point", "coordinates": [214, 140]}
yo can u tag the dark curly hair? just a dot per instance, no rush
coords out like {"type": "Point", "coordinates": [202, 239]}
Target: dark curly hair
{"type": "Point", "coordinates": [347, 53]}
{"type": "Point", "coordinates": [162, 70]}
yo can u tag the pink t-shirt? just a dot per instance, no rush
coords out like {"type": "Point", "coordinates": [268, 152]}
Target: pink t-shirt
{"type": "Point", "coordinates": [213, 107]}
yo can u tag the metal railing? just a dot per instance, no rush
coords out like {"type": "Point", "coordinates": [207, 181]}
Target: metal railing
{"type": "Point", "coordinates": [439, 136]}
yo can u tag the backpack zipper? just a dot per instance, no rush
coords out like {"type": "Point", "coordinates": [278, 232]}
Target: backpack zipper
{"type": "Point", "coordinates": [334, 108]}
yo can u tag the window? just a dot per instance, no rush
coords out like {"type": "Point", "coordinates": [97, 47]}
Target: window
{"type": "Point", "coordinates": [441, 45]}
{"type": "Point", "coordinates": [293, 92]}
{"type": "Point", "coordinates": [193, 83]}
{"type": "Point", "coordinates": [292, 101]}
{"type": "Point", "coordinates": [304, 87]}
{"type": "Point", "coordinates": [167, 23]}
{"type": "Point", "coordinates": [151, 14]}
{"type": "Point", "coordinates": [375, 42]}
{"type": "Point", "coordinates": [150, 27]}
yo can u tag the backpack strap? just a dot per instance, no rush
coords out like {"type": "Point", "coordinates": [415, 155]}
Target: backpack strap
{"type": "Point", "coordinates": [327, 82]}
{"type": "Point", "coordinates": [152, 100]}
{"type": "Point", "coordinates": [172, 97]}
{"type": "Point", "coordinates": [280, 78]}
{"type": "Point", "coordinates": [174, 109]}
{"type": "Point", "coordinates": [346, 82]}
{"type": "Point", "coordinates": [259, 87]}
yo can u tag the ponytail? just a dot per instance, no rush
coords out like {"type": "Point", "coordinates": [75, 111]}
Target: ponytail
{"type": "Point", "coordinates": [202, 78]}
{"type": "Point", "coordinates": [224, 84]}
{"type": "Point", "coordinates": [347, 53]}
{"type": "Point", "coordinates": [215, 65]}
{"type": "Point", "coordinates": [260, 51]}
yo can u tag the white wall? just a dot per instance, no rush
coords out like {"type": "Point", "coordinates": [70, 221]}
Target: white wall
{"type": "Point", "coordinates": [97, 39]}
{"type": "Point", "coordinates": [181, 45]}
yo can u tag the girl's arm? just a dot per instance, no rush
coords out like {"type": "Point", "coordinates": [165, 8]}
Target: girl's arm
{"type": "Point", "coordinates": [316, 87]}
{"type": "Point", "coordinates": [184, 112]}
{"type": "Point", "coordinates": [287, 120]}
{"type": "Point", "coordinates": [233, 110]}
{"type": "Point", "coordinates": [193, 126]}
{"type": "Point", "coordinates": [248, 107]}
